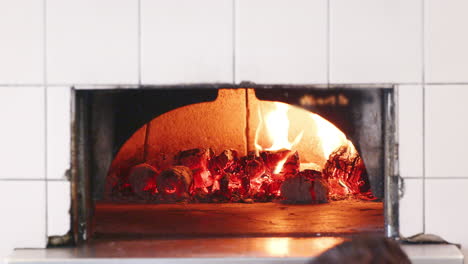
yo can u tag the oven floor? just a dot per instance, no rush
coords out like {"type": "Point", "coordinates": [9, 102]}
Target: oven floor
{"type": "Point", "coordinates": [235, 219]}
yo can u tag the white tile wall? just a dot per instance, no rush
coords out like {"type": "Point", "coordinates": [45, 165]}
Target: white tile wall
{"type": "Point", "coordinates": [92, 42]}
{"type": "Point", "coordinates": [185, 41]}
{"type": "Point", "coordinates": [22, 133]}
{"type": "Point", "coordinates": [447, 179]}
{"type": "Point", "coordinates": [280, 41]}
{"type": "Point", "coordinates": [21, 45]}
{"type": "Point", "coordinates": [411, 208]}
{"type": "Point", "coordinates": [410, 133]}
{"type": "Point", "coordinates": [446, 213]}
{"type": "Point", "coordinates": [446, 130]}
{"type": "Point", "coordinates": [58, 207]}
{"type": "Point", "coordinates": [58, 131]}
{"type": "Point", "coordinates": [22, 221]}
{"type": "Point", "coordinates": [375, 41]}
{"type": "Point", "coordinates": [446, 54]}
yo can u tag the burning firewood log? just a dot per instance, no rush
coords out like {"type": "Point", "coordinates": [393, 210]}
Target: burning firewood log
{"type": "Point", "coordinates": [142, 179]}
{"type": "Point", "coordinates": [266, 190]}
{"type": "Point", "coordinates": [222, 192]}
{"type": "Point", "coordinates": [199, 175]}
{"type": "Point", "coordinates": [197, 160]}
{"type": "Point", "coordinates": [218, 166]}
{"type": "Point", "coordinates": [202, 180]}
{"type": "Point", "coordinates": [281, 163]}
{"type": "Point", "coordinates": [346, 174]}
{"type": "Point", "coordinates": [291, 166]}
{"type": "Point", "coordinates": [319, 190]}
{"type": "Point", "coordinates": [311, 174]}
{"type": "Point", "coordinates": [174, 182]}
{"type": "Point", "coordinates": [224, 160]}
{"type": "Point", "coordinates": [249, 170]}
{"type": "Point", "coordinates": [254, 168]}
{"type": "Point", "coordinates": [245, 186]}
{"type": "Point", "coordinates": [305, 187]}
{"type": "Point", "coordinates": [272, 158]}
{"type": "Point", "coordinates": [194, 158]}
{"type": "Point", "coordinates": [224, 183]}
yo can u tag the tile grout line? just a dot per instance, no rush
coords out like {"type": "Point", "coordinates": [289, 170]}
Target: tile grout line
{"type": "Point", "coordinates": [46, 169]}
{"type": "Point", "coordinates": [135, 85]}
{"type": "Point", "coordinates": [328, 43]}
{"type": "Point", "coordinates": [139, 41]}
{"type": "Point", "coordinates": [423, 61]}
{"type": "Point", "coordinates": [35, 180]}
{"type": "Point", "coordinates": [234, 41]}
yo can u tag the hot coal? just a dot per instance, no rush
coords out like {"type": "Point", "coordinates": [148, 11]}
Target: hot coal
{"type": "Point", "coordinates": [223, 161]}
{"type": "Point", "coordinates": [200, 176]}
{"type": "Point", "coordinates": [198, 161]}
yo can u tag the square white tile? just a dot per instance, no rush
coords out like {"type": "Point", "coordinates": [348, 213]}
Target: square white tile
{"type": "Point", "coordinates": [23, 221]}
{"type": "Point", "coordinates": [280, 41]}
{"type": "Point", "coordinates": [58, 131]}
{"type": "Point", "coordinates": [22, 137]}
{"type": "Point", "coordinates": [411, 208]}
{"type": "Point", "coordinates": [92, 42]}
{"type": "Point", "coordinates": [375, 41]}
{"type": "Point", "coordinates": [446, 130]}
{"type": "Point", "coordinates": [22, 42]}
{"type": "Point", "coordinates": [446, 55]}
{"type": "Point", "coordinates": [58, 207]}
{"type": "Point", "coordinates": [186, 41]}
{"type": "Point", "coordinates": [446, 213]}
{"type": "Point", "coordinates": [410, 130]}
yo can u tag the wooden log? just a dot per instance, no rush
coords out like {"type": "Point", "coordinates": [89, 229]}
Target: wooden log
{"type": "Point", "coordinates": [218, 166]}
{"type": "Point", "coordinates": [319, 190]}
{"type": "Point", "coordinates": [175, 182]}
{"type": "Point", "coordinates": [291, 166]}
{"type": "Point", "coordinates": [223, 161]}
{"type": "Point", "coordinates": [142, 179]}
{"type": "Point", "coordinates": [273, 159]}
{"type": "Point", "coordinates": [194, 158]}
{"type": "Point", "coordinates": [254, 168]}
{"type": "Point", "coordinates": [346, 175]}
{"type": "Point", "coordinates": [304, 189]}
{"type": "Point", "coordinates": [197, 160]}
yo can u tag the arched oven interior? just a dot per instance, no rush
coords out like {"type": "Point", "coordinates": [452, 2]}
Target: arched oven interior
{"type": "Point", "coordinates": [261, 161]}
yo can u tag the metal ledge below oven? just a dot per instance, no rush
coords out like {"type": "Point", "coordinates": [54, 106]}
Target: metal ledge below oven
{"type": "Point", "coordinates": [214, 250]}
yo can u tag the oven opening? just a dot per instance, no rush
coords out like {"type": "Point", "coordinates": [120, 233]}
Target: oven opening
{"type": "Point", "coordinates": [230, 162]}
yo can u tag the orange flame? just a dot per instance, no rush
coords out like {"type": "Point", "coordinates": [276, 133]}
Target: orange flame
{"type": "Point", "coordinates": [276, 123]}
{"type": "Point", "coordinates": [277, 127]}
{"type": "Point", "coordinates": [330, 136]}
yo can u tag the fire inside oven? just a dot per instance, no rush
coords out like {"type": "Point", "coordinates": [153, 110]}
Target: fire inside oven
{"type": "Point", "coordinates": [264, 161]}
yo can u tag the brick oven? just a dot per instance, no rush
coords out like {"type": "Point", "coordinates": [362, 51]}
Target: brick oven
{"type": "Point", "coordinates": [252, 160]}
